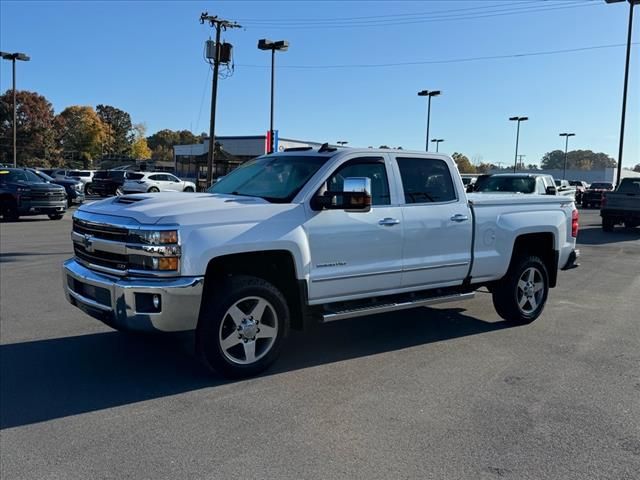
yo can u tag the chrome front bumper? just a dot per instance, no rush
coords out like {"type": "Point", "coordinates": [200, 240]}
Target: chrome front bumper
{"type": "Point", "coordinates": [126, 303]}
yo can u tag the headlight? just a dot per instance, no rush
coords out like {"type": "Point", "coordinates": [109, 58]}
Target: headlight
{"type": "Point", "coordinates": [154, 237]}
{"type": "Point", "coordinates": [142, 262]}
{"type": "Point", "coordinates": [78, 187]}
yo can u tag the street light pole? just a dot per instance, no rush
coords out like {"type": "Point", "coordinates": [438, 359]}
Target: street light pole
{"type": "Point", "coordinates": [437, 142]}
{"type": "Point", "coordinates": [517, 119]}
{"type": "Point", "coordinates": [566, 145]}
{"type": "Point", "coordinates": [13, 57]}
{"type": "Point", "coordinates": [428, 94]}
{"type": "Point", "coordinates": [283, 46]}
{"type": "Point", "coordinates": [626, 82]}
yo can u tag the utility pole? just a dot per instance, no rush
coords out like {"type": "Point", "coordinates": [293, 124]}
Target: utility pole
{"type": "Point", "coordinates": [566, 145]}
{"type": "Point", "coordinates": [517, 119]}
{"type": "Point", "coordinates": [219, 24]}
{"type": "Point", "coordinates": [520, 157]}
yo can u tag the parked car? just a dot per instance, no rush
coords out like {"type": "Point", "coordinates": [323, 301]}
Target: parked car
{"type": "Point", "coordinates": [108, 182]}
{"type": "Point", "coordinates": [156, 182]}
{"type": "Point", "coordinates": [23, 193]}
{"type": "Point", "coordinates": [85, 176]}
{"type": "Point", "coordinates": [283, 241]}
{"type": "Point", "coordinates": [73, 188]}
{"type": "Point", "coordinates": [479, 182]}
{"type": "Point", "coordinates": [57, 173]}
{"type": "Point", "coordinates": [580, 187]}
{"type": "Point", "coordinates": [621, 205]}
{"type": "Point", "coordinates": [592, 197]}
{"type": "Point", "coordinates": [528, 183]}
{"type": "Point", "coordinates": [563, 187]}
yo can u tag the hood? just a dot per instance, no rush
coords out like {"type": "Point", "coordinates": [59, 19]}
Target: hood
{"type": "Point", "coordinates": [38, 186]}
{"type": "Point", "coordinates": [65, 182]}
{"type": "Point", "coordinates": [186, 208]}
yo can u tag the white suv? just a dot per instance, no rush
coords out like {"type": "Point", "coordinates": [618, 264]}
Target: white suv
{"type": "Point", "coordinates": [140, 182]}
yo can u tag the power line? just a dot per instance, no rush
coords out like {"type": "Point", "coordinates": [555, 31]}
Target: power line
{"type": "Point", "coordinates": [455, 60]}
{"type": "Point", "coordinates": [430, 19]}
{"type": "Point", "coordinates": [393, 15]}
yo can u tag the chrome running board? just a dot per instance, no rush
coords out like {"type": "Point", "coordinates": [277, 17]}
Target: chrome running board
{"type": "Point", "coordinates": [391, 307]}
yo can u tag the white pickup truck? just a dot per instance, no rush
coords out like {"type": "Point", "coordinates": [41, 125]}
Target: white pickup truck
{"type": "Point", "coordinates": [312, 235]}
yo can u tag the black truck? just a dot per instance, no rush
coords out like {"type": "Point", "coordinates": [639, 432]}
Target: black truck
{"type": "Point", "coordinates": [24, 193]}
{"type": "Point", "coordinates": [622, 205]}
{"type": "Point", "coordinates": [108, 182]}
{"type": "Point", "coordinates": [592, 196]}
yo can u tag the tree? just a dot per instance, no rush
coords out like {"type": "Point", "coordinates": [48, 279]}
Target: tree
{"type": "Point", "coordinates": [163, 141]}
{"type": "Point", "coordinates": [35, 135]}
{"type": "Point", "coordinates": [81, 132]}
{"type": "Point", "coordinates": [139, 149]}
{"type": "Point", "coordinates": [636, 168]}
{"type": "Point", "coordinates": [463, 163]}
{"type": "Point", "coordinates": [119, 129]}
{"type": "Point", "coordinates": [577, 159]}
{"type": "Point", "coordinates": [485, 167]}
{"type": "Point", "coordinates": [532, 166]}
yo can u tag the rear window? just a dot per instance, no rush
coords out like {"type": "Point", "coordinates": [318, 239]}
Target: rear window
{"type": "Point", "coordinates": [629, 185]}
{"type": "Point", "coordinates": [102, 174]}
{"type": "Point", "coordinates": [425, 180]}
{"type": "Point", "coordinates": [135, 176]}
{"type": "Point", "coordinates": [76, 173]}
{"type": "Point", "coordinates": [601, 186]}
{"type": "Point", "coordinates": [509, 184]}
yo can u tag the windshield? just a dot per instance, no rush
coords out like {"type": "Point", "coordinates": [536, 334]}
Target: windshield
{"type": "Point", "coordinates": [508, 184]}
{"type": "Point", "coordinates": [43, 176]}
{"type": "Point", "coordinates": [630, 185]}
{"type": "Point", "coordinates": [275, 178]}
{"type": "Point", "coordinates": [19, 176]}
{"type": "Point", "coordinates": [558, 183]}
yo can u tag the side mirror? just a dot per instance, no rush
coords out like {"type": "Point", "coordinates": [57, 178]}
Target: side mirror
{"type": "Point", "coordinates": [551, 190]}
{"type": "Point", "coordinates": [355, 196]}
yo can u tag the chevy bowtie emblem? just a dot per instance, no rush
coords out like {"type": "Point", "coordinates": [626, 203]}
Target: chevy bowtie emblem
{"type": "Point", "coordinates": [87, 241]}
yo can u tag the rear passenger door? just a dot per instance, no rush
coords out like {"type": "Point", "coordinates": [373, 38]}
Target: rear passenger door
{"type": "Point", "coordinates": [437, 224]}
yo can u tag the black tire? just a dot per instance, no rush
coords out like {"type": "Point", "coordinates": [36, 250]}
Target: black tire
{"type": "Point", "coordinates": [9, 210]}
{"type": "Point", "coordinates": [188, 189]}
{"type": "Point", "coordinates": [607, 224]}
{"type": "Point", "coordinates": [87, 189]}
{"type": "Point", "coordinates": [630, 225]}
{"type": "Point", "coordinates": [508, 293]}
{"type": "Point", "coordinates": [216, 326]}
{"type": "Point", "coordinates": [69, 203]}
{"type": "Point", "coordinates": [55, 216]}
{"type": "Point", "coordinates": [153, 190]}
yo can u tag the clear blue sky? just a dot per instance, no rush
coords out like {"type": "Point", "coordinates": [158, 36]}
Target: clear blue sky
{"type": "Point", "coordinates": [146, 58]}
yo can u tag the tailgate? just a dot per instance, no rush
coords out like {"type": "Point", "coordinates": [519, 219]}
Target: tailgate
{"type": "Point", "coordinates": [623, 201]}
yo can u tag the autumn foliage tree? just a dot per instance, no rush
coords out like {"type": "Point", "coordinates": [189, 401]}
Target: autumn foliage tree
{"type": "Point", "coordinates": [577, 159]}
{"type": "Point", "coordinates": [162, 142]}
{"type": "Point", "coordinates": [463, 163]}
{"type": "Point", "coordinates": [81, 132]}
{"type": "Point", "coordinates": [139, 149]}
{"type": "Point", "coordinates": [35, 136]}
{"type": "Point", "coordinates": [119, 129]}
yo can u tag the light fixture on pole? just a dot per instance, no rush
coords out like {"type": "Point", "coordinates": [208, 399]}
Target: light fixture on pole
{"type": "Point", "coordinates": [282, 46]}
{"type": "Point", "coordinates": [517, 119]}
{"type": "Point", "coordinates": [566, 144]}
{"type": "Point", "coordinates": [437, 141]}
{"type": "Point", "coordinates": [626, 82]}
{"type": "Point", "coordinates": [428, 94]}
{"type": "Point", "coordinates": [13, 57]}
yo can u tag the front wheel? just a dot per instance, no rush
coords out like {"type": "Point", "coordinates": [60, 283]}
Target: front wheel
{"type": "Point", "coordinates": [9, 210]}
{"type": "Point", "coordinates": [153, 190]}
{"type": "Point", "coordinates": [520, 296]}
{"type": "Point", "coordinates": [242, 327]}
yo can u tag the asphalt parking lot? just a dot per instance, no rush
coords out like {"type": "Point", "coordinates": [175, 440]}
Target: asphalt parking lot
{"type": "Point", "coordinates": [442, 393]}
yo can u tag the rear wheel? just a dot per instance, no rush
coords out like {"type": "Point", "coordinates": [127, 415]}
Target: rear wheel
{"type": "Point", "coordinates": [242, 327]}
{"type": "Point", "coordinates": [55, 216]}
{"type": "Point", "coordinates": [521, 295]}
{"type": "Point", "coordinates": [188, 189]}
{"type": "Point", "coordinates": [153, 190]}
{"type": "Point", "coordinates": [607, 224]}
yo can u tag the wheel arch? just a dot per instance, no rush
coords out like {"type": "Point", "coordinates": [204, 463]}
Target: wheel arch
{"type": "Point", "coordinates": [275, 266]}
{"type": "Point", "coordinates": [540, 244]}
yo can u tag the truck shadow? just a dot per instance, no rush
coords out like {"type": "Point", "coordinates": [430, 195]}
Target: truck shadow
{"type": "Point", "coordinates": [594, 235]}
{"type": "Point", "coordinates": [48, 379]}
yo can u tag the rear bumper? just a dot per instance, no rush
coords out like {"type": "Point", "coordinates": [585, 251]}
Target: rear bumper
{"type": "Point", "coordinates": [572, 261]}
{"type": "Point", "coordinates": [125, 303]}
{"type": "Point", "coordinates": [620, 214]}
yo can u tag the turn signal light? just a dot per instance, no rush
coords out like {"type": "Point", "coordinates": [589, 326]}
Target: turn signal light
{"type": "Point", "coordinates": [168, 263]}
{"type": "Point", "coordinates": [574, 223]}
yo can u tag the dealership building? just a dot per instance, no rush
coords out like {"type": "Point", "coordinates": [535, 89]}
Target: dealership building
{"type": "Point", "coordinates": [190, 161]}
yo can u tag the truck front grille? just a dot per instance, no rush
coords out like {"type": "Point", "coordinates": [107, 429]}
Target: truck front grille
{"type": "Point", "coordinates": [104, 259]}
{"type": "Point", "coordinates": [106, 232]}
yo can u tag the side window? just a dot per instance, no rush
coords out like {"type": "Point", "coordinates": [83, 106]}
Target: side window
{"type": "Point", "coordinates": [374, 168]}
{"type": "Point", "coordinates": [426, 180]}
{"type": "Point", "coordinates": [156, 178]}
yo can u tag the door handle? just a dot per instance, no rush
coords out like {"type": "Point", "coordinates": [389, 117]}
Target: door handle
{"type": "Point", "coordinates": [458, 217]}
{"type": "Point", "coordinates": [389, 222]}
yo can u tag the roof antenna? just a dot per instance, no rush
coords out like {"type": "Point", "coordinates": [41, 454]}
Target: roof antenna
{"type": "Point", "coordinates": [326, 148]}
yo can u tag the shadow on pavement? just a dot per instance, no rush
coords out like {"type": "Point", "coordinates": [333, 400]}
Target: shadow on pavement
{"type": "Point", "coordinates": [594, 235]}
{"type": "Point", "coordinates": [48, 379]}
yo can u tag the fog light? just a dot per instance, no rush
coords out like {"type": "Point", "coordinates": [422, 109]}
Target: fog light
{"type": "Point", "coordinates": [156, 302]}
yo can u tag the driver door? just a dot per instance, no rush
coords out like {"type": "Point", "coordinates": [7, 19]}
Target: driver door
{"type": "Point", "coordinates": [356, 251]}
